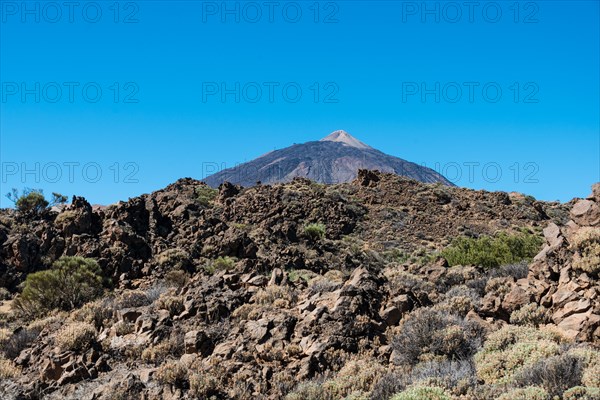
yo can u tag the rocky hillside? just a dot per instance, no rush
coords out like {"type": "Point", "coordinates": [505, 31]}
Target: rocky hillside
{"type": "Point", "coordinates": [306, 291]}
{"type": "Point", "coordinates": [334, 159]}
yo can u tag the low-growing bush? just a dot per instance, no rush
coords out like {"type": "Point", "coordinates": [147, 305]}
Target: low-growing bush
{"type": "Point", "coordinates": [530, 315]}
{"type": "Point", "coordinates": [13, 343]}
{"type": "Point", "coordinates": [428, 332]}
{"type": "Point", "coordinates": [492, 252]}
{"type": "Point", "coordinates": [220, 264]}
{"type": "Point", "coordinates": [70, 283]}
{"type": "Point", "coordinates": [528, 393]}
{"type": "Point", "coordinates": [423, 393]}
{"type": "Point", "coordinates": [206, 195]}
{"type": "Point", "coordinates": [555, 374]}
{"type": "Point", "coordinates": [508, 351]}
{"type": "Point", "coordinates": [173, 373]}
{"type": "Point", "coordinates": [8, 370]}
{"type": "Point", "coordinates": [586, 242]}
{"type": "Point", "coordinates": [582, 393]}
{"type": "Point", "coordinates": [271, 294]}
{"type": "Point", "coordinates": [355, 380]}
{"type": "Point", "coordinates": [174, 259]}
{"type": "Point", "coordinates": [315, 231]}
{"type": "Point", "coordinates": [77, 336]}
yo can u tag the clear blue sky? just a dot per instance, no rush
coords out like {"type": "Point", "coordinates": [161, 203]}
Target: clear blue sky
{"type": "Point", "coordinates": [368, 58]}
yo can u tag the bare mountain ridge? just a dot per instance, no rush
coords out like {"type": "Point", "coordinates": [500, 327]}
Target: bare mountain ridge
{"type": "Point", "coordinates": [334, 159]}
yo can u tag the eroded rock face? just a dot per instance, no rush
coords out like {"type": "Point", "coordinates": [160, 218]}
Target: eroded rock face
{"type": "Point", "coordinates": [571, 294]}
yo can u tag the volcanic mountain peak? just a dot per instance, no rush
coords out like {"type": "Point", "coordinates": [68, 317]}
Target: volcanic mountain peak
{"type": "Point", "coordinates": [345, 138]}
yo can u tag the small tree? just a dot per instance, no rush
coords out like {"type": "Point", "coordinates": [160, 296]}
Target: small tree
{"type": "Point", "coordinates": [32, 201]}
{"type": "Point", "coordinates": [70, 283]}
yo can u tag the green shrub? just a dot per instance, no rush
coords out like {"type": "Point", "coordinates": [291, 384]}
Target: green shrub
{"type": "Point", "coordinates": [492, 252]}
{"type": "Point", "coordinates": [220, 264]}
{"type": "Point", "coordinates": [72, 282]}
{"type": "Point", "coordinates": [32, 201]}
{"type": "Point", "coordinates": [206, 195]}
{"type": "Point", "coordinates": [315, 231]}
{"type": "Point", "coordinates": [422, 393]}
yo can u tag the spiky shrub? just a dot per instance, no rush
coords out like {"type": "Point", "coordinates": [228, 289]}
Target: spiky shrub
{"type": "Point", "coordinates": [315, 231]}
{"type": "Point", "coordinates": [492, 252]}
{"type": "Point", "coordinates": [422, 393]}
{"type": "Point", "coordinates": [77, 336]}
{"type": "Point", "coordinates": [511, 349]}
{"type": "Point", "coordinates": [70, 283]}
{"type": "Point", "coordinates": [586, 242]}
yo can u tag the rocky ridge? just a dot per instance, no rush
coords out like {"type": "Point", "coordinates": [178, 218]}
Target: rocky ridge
{"type": "Point", "coordinates": [290, 308]}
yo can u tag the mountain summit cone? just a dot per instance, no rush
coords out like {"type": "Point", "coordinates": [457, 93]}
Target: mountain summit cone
{"type": "Point", "coordinates": [334, 159]}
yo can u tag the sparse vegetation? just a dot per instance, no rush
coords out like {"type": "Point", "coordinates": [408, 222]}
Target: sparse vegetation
{"type": "Point", "coordinates": [206, 195]}
{"type": "Point", "coordinates": [315, 231]}
{"type": "Point", "coordinates": [220, 264]}
{"type": "Point", "coordinates": [587, 243]}
{"type": "Point", "coordinates": [492, 252]}
{"type": "Point", "coordinates": [429, 333]}
{"type": "Point", "coordinates": [70, 283]}
{"type": "Point", "coordinates": [77, 336]}
{"type": "Point", "coordinates": [33, 202]}
{"type": "Point", "coordinates": [422, 393]}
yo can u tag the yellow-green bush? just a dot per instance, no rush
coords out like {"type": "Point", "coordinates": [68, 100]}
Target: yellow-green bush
{"type": "Point", "coordinates": [220, 264]}
{"type": "Point", "coordinates": [528, 393]}
{"type": "Point", "coordinates": [355, 380]}
{"type": "Point", "coordinates": [509, 350]}
{"type": "Point", "coordinates": [206, 195]}
{"type": "Point", "coordinates": [422, 393]}
{"type": "Point", "coordinates": [72, 282]}
{"type": "Point", "coordinates": [492, 252]}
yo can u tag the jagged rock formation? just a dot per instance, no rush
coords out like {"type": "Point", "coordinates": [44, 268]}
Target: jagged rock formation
{"type": "Point", "coordinates": [334, 159]}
